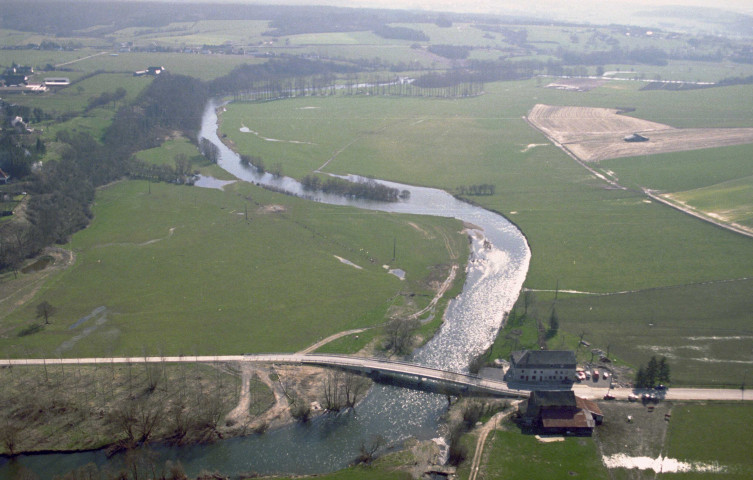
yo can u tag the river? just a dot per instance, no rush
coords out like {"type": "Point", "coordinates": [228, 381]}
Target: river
{"type": "Point", "coordinates": [330, 442]}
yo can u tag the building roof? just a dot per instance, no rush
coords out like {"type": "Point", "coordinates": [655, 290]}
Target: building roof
{"type": "Point", "coordinates": [566, 418]}
{"type": "Point", "coordinates": [635, 137]}
{"type": "Point", "coordinates": [589, 405]}
{"type": "Point", "coordinates": [543, 359]}
{"type": "Point", "coordinates": [551, 398]}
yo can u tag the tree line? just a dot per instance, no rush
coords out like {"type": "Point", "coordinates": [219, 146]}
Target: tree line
{"type": "Point", "coordinates": [62, 191]}
{"type": "Point", "coordinates": [655, 372]}
{"type": "Point", "coordinates": [480, 189]}
{"type": "Point", "coordinates": [369, 189]}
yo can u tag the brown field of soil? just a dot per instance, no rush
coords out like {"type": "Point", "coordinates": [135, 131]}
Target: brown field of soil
{"type": "Point", "coordinates": [594, 134]}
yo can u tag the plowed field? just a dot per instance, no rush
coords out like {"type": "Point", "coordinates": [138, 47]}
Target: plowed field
{"type": "Point", "coordinates": [594, 134]}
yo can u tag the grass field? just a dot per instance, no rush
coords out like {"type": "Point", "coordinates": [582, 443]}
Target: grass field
{"type": "Point", "coordinates": [509, 454]}
{"type": "Point", "coordinates": [203, 67]}
{"type": "Point", "coordinates": [726, 442]}
{"type": "Point", "coordinates": [203, 32]}
{"type": "Point", "coordinates": [731, 201]}
{"type": "Point", "coordinates": [714, 181]}
{"type": "Point", "coordinates": [76, 97]}
{"type": "Point", "coordinates": [165, 154]}
{"type": "Point", "coordinates": [447, 143]}
{"type": "Point", "coordinates": [180, 270]}
{"type": "Point", "coordinates": [583, 236]}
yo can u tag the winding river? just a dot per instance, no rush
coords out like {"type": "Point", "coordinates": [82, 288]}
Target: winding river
{"type": "Point", "coordinates": [330, 442]}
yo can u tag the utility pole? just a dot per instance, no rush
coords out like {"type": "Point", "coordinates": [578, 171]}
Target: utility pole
{"type": "Point", "coordinates": [394, 249]}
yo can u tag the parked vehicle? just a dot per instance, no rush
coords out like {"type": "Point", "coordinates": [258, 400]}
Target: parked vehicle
{"type": "Point", "coordinates": [608, 396]}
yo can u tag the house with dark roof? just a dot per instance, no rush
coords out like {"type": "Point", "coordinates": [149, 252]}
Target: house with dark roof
{"type": "Point", "coordinates": [542, 367]}
{"type": "Point", "coordinates": [561, 412]}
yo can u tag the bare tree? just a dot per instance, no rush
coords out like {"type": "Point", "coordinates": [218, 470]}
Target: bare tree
{"type": "Point", "coordinates": [368, 449]}
{"type": "Point", "coordinates": [123, 417]}
{"type": "Point", "coordinates": [45, 310]}
{"type": "Point", "coordinates": [9, 436]}
{"type": "Point", "coordinates": [354, 388]}
{"type": "Point", "coordinates": [148, 416]}
{"type": "Point", "coordinates": [182, 165]}
{"type": "Point", "coordinates": [331, 391]}
{"type": "Point", "coordinates": [209, 150]}
{"type": "Point", "coordinates": [399, 335]}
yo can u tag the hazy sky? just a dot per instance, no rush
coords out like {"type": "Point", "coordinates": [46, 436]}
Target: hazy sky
{"type": "Point", "coordinates": [613, 7]}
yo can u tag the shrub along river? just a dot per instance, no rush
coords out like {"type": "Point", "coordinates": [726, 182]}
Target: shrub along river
{"type": "Point", "coordinates": [330, 442]}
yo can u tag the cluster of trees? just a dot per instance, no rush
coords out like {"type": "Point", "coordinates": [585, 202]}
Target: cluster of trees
{"type": "Point", "coordinates": [137, 464]}
{"type": "Point", "coordinates": [369, 190]}
{"type": "Point", "coordinates": [472, 412]}
{"type": "Point", "coordinates": [62, 191]}
{"type": "Point", "coordinates": [512, 36]}
{"type": "Point", "coordinates": [480, 189]}
{"type": "Point", "coordinates": [398, 335]}
{"type": "Point", "coordinates": [106, 98]}
{"type": "Point", "coordinates": [453, 52]}
{"type": "Point", "coordinates": [654, 373]}
{"type": "Point", "coordinates": [280, 77]}
{"type": "Point", "coordinates": [647, 55]}
{"type": "Point", "coordinates": [343, 390]}
{"type": "Point", "coordinates": [256, 162]}
{"type": "Point", "coordinates": [401, 33]}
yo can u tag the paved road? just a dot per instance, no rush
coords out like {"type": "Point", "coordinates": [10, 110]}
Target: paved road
{"type": "Point", "coordinates": [369, 365]}
{"type": "Point", "coordinates": [720, 394]}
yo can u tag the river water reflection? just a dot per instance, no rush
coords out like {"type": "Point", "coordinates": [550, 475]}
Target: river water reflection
{"type": "Point", "coordinates": [494, 277]}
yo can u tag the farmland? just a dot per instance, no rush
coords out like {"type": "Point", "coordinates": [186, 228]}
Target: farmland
{"type": "Point", "coordinates": [595, 134]}
{"type": "Point", "coordinates": [171, 269]}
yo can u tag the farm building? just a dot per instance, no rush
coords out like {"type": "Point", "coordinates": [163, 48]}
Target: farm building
{"type": "Point", "coordinates": [542, 366]}
{"type": "Point", "coordinates": [561, 411]}
{"type": "Point", "coordinates": [154, 71]}
{"type": "Point", "coordinates": [636, 137]}
{"type": "Point", "coordinates": [57, 81]}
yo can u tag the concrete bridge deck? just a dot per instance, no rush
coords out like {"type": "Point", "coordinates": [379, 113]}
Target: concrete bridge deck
{"type": "Point", "coordinates": [367, 366]}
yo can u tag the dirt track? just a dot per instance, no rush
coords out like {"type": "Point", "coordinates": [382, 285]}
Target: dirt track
{"type": "Point", "coordinates": [594, 134]}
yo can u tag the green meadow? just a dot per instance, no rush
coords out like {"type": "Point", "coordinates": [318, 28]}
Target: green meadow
{"type": "Point", "coordinates": [726, 442]}
{"type": "Point", "coordinates": [203, 32]}
{"type": "Point", "coordinates": [74, 98]}
{"type": "Point", "coordinates": [509, 454]}
{"type": "Point", "coordinates": [181, 270]}
{"type": "Point", "coordinates": [583, 235]}
{"type": "Point", "coordinates": [673, 269]}
{"type": "Point", "coordinates": [731, 200]}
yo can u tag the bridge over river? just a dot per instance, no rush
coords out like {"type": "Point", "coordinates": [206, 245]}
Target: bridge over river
{"type": "Point", "coordinates": [368, 366]}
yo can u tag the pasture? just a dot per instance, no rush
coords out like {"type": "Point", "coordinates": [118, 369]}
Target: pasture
{"type": "Point", "coordinates": [726, 442]}
{"type": "Point", "coordinates": [74, 98]}
{"type": "Point", "coordinates": [508, 454]}
{"type": "Point", "coordinates": [186, 270]}
{"type": "Point", "coordinates": [583, 235]}
{"type": "Point", "coordinates": [673, 269]}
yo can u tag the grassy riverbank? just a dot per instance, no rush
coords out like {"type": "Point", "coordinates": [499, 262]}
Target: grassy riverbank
{"type": "Point", "coordinates": [182, 270]}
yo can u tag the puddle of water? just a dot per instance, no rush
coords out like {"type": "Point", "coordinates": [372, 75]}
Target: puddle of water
{"type": "Point", "coordinates": [348, 262]}
{"type": "Point", "coordinates": [211, 182]}
{"type": "Point", "coordinates": [660, 464]}
{"type": "Point", "coordinates": [39, 265]}
{"type": "Point", "coordinates": [398, 273]}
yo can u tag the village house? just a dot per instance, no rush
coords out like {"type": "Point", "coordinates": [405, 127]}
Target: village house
{"type": "Point", "coordinates": [561, 412]}
{"type": "Point", "coordinates": [542, 366]}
